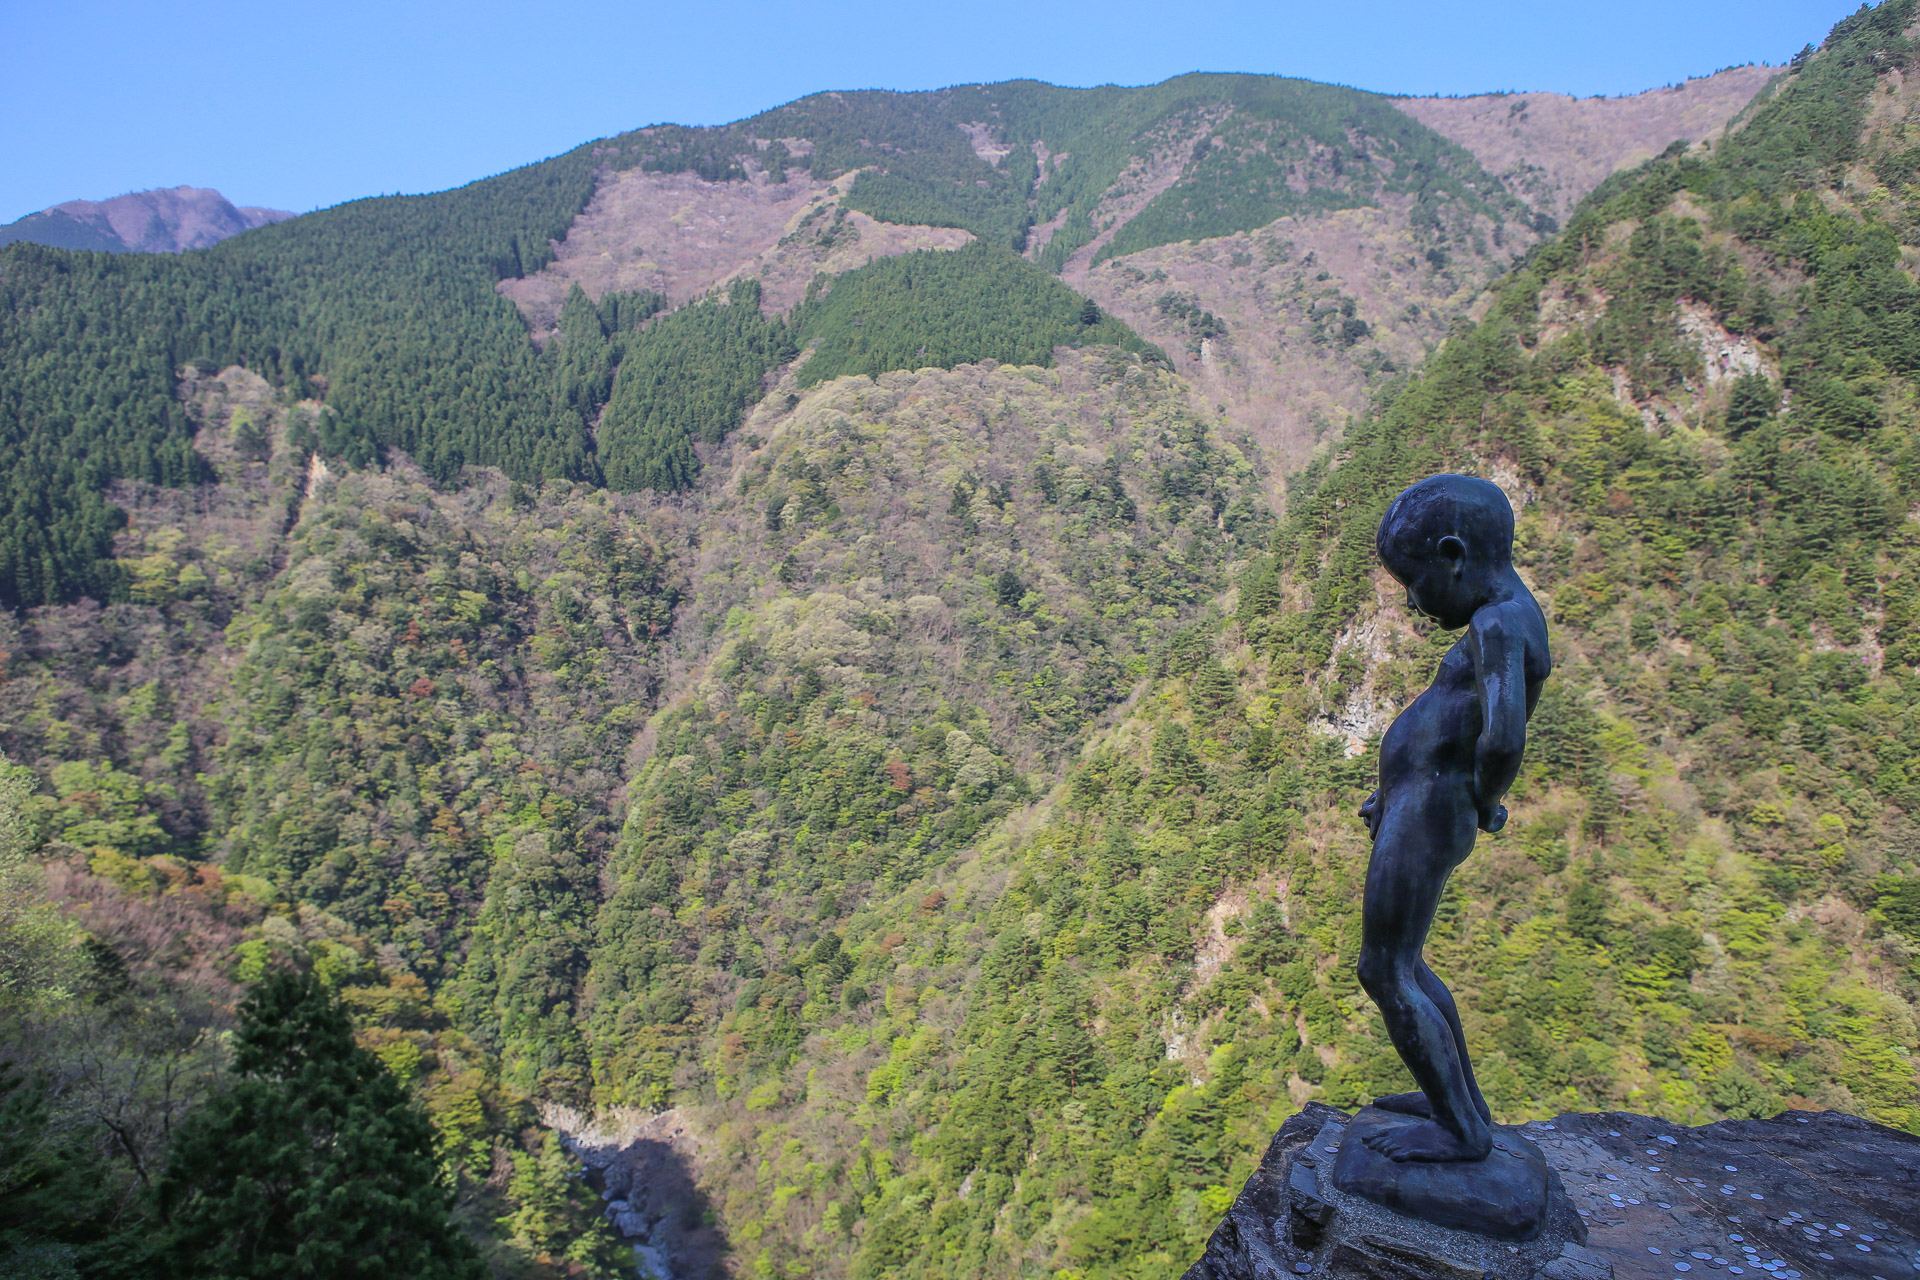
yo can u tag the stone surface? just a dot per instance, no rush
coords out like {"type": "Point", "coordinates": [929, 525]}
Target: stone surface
{"type": "Point", "coordinates": [1859, 1181]}
{"type": "Point", "coordinates": [1387, 1258]}
{"type": "Point", "coordinates": [1828, 1167]}
{"type": "Point", "coordinates": [1304, 1187]}
{"type": "Point", "coordinates": [1577, 1262]}
{"type": "Point", "coordinates": [1504, 1195]}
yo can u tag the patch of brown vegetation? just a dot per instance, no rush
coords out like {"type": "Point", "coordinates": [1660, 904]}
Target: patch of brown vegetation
{"type": "Point", "coordinates": [679, 235]}
{"type": "Point", "coordinates": [669, 232]}
{"type": "Point", "coordinates": [830, 238]}
{"type": "Point", "coordinates": [1284, 372]}
{"type": "Point", "coordinates": [1550, 149]}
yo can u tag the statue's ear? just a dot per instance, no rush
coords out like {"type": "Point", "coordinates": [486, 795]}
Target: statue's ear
{"type": "Point", "coordinates": [1456, 553]}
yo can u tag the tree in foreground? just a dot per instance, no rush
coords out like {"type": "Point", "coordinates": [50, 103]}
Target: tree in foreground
{"type": "Point", "coordinates": [314, 1165]}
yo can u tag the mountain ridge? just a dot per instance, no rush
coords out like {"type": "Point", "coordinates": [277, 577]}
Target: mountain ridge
{"type": "Point", "coordinates": [1539, 141]}
{"type": "Point", "coordinates": [162, 220]}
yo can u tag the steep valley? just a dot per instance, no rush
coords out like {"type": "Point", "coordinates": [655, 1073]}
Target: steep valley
{"type": "Point", "coordinates": [843, 649]}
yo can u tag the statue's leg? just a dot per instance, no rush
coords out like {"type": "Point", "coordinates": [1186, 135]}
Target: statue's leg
{"type": "Point", "coordinates": [1415, 1103]}
{"type": "Point", "coordinates": [1411, 859]}
{"type": "Point", "coordinates": [1443, 1000]}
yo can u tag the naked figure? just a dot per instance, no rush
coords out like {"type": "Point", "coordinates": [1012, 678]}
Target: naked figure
{"type": "Point", "coordinates": [1445, 764]}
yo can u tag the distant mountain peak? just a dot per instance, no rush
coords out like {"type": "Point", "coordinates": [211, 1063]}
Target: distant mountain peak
{"type": "Point", "coordinates": [166, 220]}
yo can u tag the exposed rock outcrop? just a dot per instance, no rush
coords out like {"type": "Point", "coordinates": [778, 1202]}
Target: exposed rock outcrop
{"type": "Point", "coordinates": [1801, 1196]}
{"type": "Point", "coordinates": [643, 1170]}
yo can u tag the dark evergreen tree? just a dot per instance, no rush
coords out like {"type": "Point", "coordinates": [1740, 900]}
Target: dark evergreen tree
{"type": "Point", "coordinates": [48, 1200]}
{"type": "Point", "coordinates": [314, 1165]}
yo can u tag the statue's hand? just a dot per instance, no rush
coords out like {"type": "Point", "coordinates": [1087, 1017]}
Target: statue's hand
{"type": "Point", "coordinates": [1491, 822]}
{"type": "Point", "coordinates": [1370, 813]}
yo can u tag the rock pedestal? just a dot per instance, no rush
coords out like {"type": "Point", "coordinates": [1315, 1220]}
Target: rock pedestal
{"type": "Point", "coordinates": [1504, 1196]}
{"type": "Point", "coordinates": [1804, 1196]}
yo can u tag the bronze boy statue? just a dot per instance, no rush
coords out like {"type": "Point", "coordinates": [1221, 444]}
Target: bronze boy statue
{"type": "Point", "coordinates": [1444, 765]}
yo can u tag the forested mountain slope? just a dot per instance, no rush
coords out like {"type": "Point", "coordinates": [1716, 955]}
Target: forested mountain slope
{"type": "Point", "coordinates": [385, 309]}
{"type": "Point", "coordinates": [1705, 902]}
{"type": "Point", "coordinates": [1286, 329]}
{"type": "Point", "coordinates": [381, 728]}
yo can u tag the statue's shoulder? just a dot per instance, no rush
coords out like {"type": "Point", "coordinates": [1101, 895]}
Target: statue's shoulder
{"type": "Point", "coordinates": [1509, 621]}
{"type": "Point", "coordinates": [1513, 624]}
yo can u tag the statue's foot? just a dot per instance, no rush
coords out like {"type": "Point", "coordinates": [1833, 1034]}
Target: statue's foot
{"type": "Point", "coordinates": [1416, 1104]}
{"type": "Point", "coordinates": [1428, 1142]}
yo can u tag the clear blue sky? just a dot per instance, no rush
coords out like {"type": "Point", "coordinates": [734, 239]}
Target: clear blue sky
{"type": "Point", "coordinates": [297, 104]}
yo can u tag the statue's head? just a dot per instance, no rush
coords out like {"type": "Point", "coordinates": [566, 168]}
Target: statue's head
{"type": "Point", "coordinates": [1447, 539]}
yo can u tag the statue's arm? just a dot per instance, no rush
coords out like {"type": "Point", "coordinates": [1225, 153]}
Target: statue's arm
{"type": "Point", "coordinates": [1498, 650]}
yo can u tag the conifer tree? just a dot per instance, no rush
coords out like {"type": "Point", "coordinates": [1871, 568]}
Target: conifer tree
{"type": "Point", "coordinates": [314, 1165]}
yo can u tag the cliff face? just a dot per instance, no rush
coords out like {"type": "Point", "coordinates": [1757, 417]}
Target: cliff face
{"type": "Point", "coordinates": [1813, 1194]}
{"type": "Point", "coordinates": [163, 221]}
